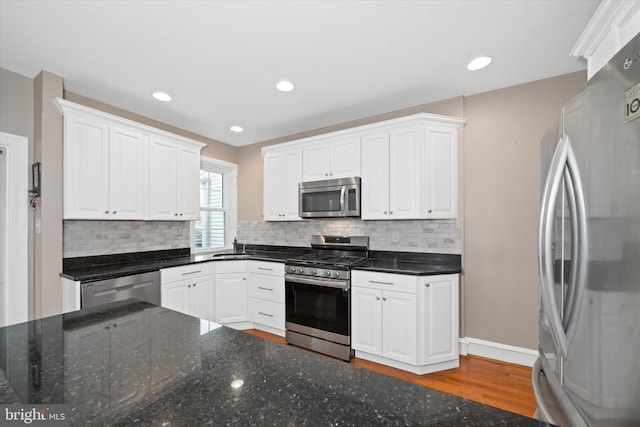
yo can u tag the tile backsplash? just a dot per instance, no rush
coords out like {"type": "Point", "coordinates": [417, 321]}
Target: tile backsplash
{"type": "Point", "coordinates": [88, 238]}
{"type": "Point", "coordinates": [439, 236]}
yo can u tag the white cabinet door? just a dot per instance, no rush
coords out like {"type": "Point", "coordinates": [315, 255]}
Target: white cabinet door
{"type": "Point", "coordinates": [200, 297]}
{"type": "Point", "coordinates": [316, 162]}
{"type": "Point", "coordinates": [331, 160]}
{"type": "Point", "coordinates": [405, 173]}
{"type": "Point", "coordinates": [162, 179]}
{"type": "Point", "coordinates": [439, 317]}
{"type": "Point", "coordinates": [282, 173]}
{"type": "Point", "coordinates": [366, 320]}
{"type": "Point", "coordinates": [345, 158]}
{"type": "Point", "coordinates": [399, 326]}
{"type": "Point", "coordinates": [127, 173]}
{"type": "Point", "coordinates": [174, 180]}
{"type": "Point", "coordinates": [375, 176]}
{"type": "Point", "coordinates": [86, 168]}
{"type": "Point", "coordinates": [441, 172]}
{"type": "Point", "coordinates": [188, 183]}
{"type": "Point", "coordinates": [175, 295]}
{"type": "Point", "coordinates": [231, 297]}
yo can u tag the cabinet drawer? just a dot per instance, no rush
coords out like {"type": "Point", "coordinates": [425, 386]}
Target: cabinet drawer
{"type": "Point", "coordinates": [265, 267]}
{"type": "Point", "coordinates": [384, 281]}
{"type": "Point", "coordinates": [231, 267]}
{"type": "Point", "coordinates": [266, 312]}
{"type": "Point", "coordinates": [190, 271]}
{"type": "Point", "coordinates": [270, 288]}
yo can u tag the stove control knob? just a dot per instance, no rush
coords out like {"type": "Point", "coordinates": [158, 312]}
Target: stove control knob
{"type": "Point", "coordinates": [337, 274]}
{"type": "Point", "coordinates": [327, 273]}
{"type": "Point", "coordinates": [300, 270]}
{"type": "Point", "coordinates": [314, 271]}
{"type": "Point", "coordinates": [292, 269]}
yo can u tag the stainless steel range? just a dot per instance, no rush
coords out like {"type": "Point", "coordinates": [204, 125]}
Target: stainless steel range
{"type": "Point", "coordinates": [318, 294]}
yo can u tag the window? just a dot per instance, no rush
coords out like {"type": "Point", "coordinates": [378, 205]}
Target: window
{"type": "Point", "coordinates": [216, 228]}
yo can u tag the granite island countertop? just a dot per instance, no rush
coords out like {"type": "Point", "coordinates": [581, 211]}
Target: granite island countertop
{"type": "Point", "coordinates": [92, 268]}
{"type": "Point", "coordinates": [132, 363]}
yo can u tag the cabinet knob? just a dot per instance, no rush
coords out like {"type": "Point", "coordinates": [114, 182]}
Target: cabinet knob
{"type": "Point", "coordinates": [114, 212]}
{"type": "Point", "coordinates": [391, 212]}
{"type": "Point", "coordinates": [385, 212]}
{"type": "Point", "coordinates": [180, 214]}
{"type": "Point", "coordinates": [429, 210]}
{"type": "Point", "coordinates": [326, 174]}
{"type": "Point", "coordinates": [175, 214]}
{"type": "Point", "coordinates": [377, 298]}
{"type": "Point", "coordinates": [384, 299]}
{"type": "Point", "coordinates": [188, 286]}
{"type": "Point", "coordinates": [106, 212]}
{"type": "Point", "coordinates": [427, 284]}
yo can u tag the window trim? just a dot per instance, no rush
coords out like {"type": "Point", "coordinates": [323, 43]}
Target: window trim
{"type": "Point", "coordinates": [230, 201]}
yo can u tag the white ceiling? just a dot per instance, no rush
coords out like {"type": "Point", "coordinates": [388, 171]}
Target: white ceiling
{"type": "Point", "coordinates": [220, 60]}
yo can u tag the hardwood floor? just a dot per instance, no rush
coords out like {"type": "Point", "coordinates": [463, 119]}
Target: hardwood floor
{"type": "Point", "coordinates": [503, 385]}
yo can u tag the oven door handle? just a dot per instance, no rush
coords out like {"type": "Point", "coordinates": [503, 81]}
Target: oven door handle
{"type": "Point", "coordinates": [330, 283]}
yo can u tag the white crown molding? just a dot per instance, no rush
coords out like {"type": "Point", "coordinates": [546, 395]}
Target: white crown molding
{"type": "Point", "coordinates": [608, 17]}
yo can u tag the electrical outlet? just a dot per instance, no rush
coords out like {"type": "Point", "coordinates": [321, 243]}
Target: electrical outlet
{"type": "Point", "coordinates": [395, 237]}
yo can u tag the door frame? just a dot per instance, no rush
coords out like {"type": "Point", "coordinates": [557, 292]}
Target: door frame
{"type": "Point", "coordinates": [16, 296]}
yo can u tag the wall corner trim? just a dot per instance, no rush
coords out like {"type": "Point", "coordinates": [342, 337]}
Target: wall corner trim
{"type": "Point", "coordinates": [493, 350]}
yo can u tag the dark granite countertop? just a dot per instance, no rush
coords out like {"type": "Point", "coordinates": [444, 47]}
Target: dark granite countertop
{"type": "Point", "coordinates": [414, 263]}
{"type": "Point", "coordinates": [132, 363]}
{"type": "Point", "coordinates": [92, 268]}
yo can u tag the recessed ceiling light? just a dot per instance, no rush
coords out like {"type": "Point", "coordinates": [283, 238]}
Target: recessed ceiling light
{"type": "Point", "coordinates": [479, 63]}
{"type": "Point", "coordinates": [236, 129]}
{"type": "Point", "coordinates": [285, 86]}
{"type": "Point", "coordinates": [161, 96]}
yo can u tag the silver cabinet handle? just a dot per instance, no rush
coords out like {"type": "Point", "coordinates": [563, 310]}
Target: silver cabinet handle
{"type": "Point", "coordinates": [265, 289]}
{"type": "Point", "coordinates": [265, 269]}
{"type": "Point", "coordinates": [192, 272]}
{"type": "Point", "coordinates": [265, 314]}
{"type": "Point", "coordinates": [380, 283]}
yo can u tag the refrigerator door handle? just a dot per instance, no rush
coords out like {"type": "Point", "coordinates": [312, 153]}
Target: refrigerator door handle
{"type": "Point", "coordinates": [579, 247]}
{"type": "Point", "coordinates": [545, 250]}
{"type": "Point", "coordinates": [542, 413]}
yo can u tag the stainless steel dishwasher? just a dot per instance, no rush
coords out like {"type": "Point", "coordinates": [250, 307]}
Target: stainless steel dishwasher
{"type": "Point", "coordinates": [145, 287]}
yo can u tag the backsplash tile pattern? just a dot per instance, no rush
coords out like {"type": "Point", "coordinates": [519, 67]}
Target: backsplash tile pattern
{"type": "Point", "coordinates": [439, 236]}
{"type": "Point", "coordinates": [87, 238]}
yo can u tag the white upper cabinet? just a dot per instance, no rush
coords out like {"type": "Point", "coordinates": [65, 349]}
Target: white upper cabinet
{"type": "Point", "coordinates": [330, 159]}
{"type": "Point", "coordinates": [410, 170]}
{"type": "Point", "coordinates": [174, 180]}
{"type": "Point", "coordinates": [282, 173]}
{"type": "Point", "coordinates": [104, 170]}
{"type": "Point", "coordinates": [118, 169]}
{"type": "Point", "coordinates": [441, 172]}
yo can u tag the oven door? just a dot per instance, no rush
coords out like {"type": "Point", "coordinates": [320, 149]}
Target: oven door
{"type": "Point", "coordinates": [318, 307]}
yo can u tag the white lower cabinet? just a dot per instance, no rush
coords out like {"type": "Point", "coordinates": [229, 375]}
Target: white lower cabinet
{"type": "Point", "coordinates": [266, 296]}
{"type": "Point", "coordinates": [408, 322]}
{"type": "Point", "coordinates": [189, 289]}
{"type": "Point", "coordinates": [231, 291]}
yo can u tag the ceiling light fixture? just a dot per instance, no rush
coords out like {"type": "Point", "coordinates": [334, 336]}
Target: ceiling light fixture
{"type": "Point", "coordinates": [479, 63]}
{"type": "Point", "coordinates": [285, 86]}
{"type": "Point", "coordinates": [161, 96]}
{"type": "Point", "coordinates": [236, 129]}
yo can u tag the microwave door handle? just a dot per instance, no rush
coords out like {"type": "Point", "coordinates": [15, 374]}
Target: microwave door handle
{"type": "Point", "coordinates": [579, 249]}
{"type": "Point", "coordinates": [343, 200]}
{"type": "Point", "coordinates": [545, 251]}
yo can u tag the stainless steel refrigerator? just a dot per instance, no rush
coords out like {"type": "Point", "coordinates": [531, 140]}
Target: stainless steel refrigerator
{"type": "Point", "coordinates": [588, 370]}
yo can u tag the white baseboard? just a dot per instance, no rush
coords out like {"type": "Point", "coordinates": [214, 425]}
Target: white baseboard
{"type": "Point", "coordinates": [497, 351]}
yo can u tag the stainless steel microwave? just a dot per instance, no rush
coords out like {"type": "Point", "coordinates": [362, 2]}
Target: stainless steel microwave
{"type": "Point", "coordinates": [331, 198]}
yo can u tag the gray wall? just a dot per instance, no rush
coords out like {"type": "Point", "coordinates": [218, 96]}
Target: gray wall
{"type": "Point", "coordinates": [16, 105]}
